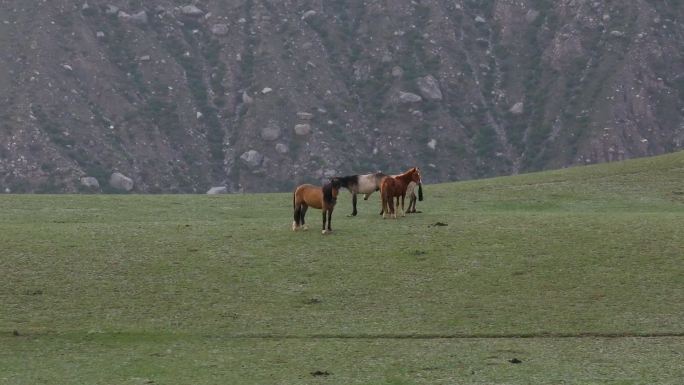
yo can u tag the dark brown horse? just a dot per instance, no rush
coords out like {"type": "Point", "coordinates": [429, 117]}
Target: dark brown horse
{"type": "Point", "coordinates": [322, 198]}
{"type": "Point", "coordinates": [395, 186]}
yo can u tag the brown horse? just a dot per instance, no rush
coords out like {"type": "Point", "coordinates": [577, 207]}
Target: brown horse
{"type": "Point", "coordinates": [392, 187]}
{"type": "Point", "coordinates": [322, 198]}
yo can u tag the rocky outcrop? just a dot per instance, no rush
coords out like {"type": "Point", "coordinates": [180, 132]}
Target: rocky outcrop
{"type": "Point", "coordinates": [260, 96]}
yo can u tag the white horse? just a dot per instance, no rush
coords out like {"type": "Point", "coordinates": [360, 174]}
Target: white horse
{"type": "Point", "coordinates": [361, 184]}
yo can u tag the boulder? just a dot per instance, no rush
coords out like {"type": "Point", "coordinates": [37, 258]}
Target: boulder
{"type": "Point", "coordinates": [219, 29]}
{"type": "Point", "coordinates": [532, 15]}
{"type": "Point", "coordinates": [120, 181]}
{"type": "Point", "coordinates": [218, 190]}
{"type": "Point", "coordinates": [429, 88]}
{"type": "Point", "coordinates": [252, 158]}
{"type": "Point", "coordinates": [517, 109]}
{"type": "Point", "coordinates": [408, 97]}
{"type": "Point", "coordinates": [111, 9]}
{"type": "Point", "coordinates": [282, 148]}
{"type": "Point", "coordinates": [246, 98]}
{"type": "Point", "coordinates": [308, 14]}
{"type": "Point", "coordinates": [302, 129]}
{"type": "Point", "coordinates": [304, 116]}
{"type": "Point", "coordinates": [137, 18]}
{"type": "Point", "coordinates": [191, 10]}
{"type": "Point", "coordinates": [270, 132]}
{"type": "Point", "coordinates": [397, 72]}
{"type": "Point", "coordinates": [90, 182]}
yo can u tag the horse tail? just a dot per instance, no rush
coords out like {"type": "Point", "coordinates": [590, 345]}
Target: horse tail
{"type": "Point", "coordinates": [383, 189]}
{"type": "Point", "coordinates": [296, 209]}
{"type": "Point", "coordinates": [420, 192]}
{"type": "Point", "coordinates": [328, 198]}
{"type": "Point", "coordinates": [385, 195]}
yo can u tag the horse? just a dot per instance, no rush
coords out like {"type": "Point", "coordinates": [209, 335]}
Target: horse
{"type": "Point", "coordinates": [322, 198]}
{"type": "Point", "coordinates": [392, 187]}
{"type": "Point", "coordinates": [411, 193]}
{"type": "Point", "coordinates": [361, 184]}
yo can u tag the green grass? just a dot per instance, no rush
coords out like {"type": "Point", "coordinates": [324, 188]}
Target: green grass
{"type": "Point", "coordinates": [577, 273]}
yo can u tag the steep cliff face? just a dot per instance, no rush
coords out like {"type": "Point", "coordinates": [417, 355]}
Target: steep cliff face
{"type": "Point", "coordinates": [260, 95]}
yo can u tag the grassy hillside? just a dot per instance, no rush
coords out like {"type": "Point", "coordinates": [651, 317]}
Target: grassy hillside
{"type": "Point", "coordinates": [577, 273]}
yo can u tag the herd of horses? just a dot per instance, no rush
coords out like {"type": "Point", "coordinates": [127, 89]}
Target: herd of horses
{"type": "Point", "coordinates": [324, 197]}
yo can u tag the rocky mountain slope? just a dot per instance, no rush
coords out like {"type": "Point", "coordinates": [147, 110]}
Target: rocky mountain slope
{"type": "Point", "coordinates": [258, 95]}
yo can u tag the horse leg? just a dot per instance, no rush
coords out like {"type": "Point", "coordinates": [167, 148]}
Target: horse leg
{"type": "Point", "coordinates": [403, 213]}
{"type": "Point", "coordinates": [330, 211]}
{"type": "Point", "coordinates": [324, 211]}
{"type": "Point", "coordinates": [383, 205]}
{"type": "Point", "coordinates": [390, 207]}
{"type": "Point", "coordinates": [412, 204]}
{"type": "Point", "coordinates": [303, 213]}
{"type": "Point", "coordinates": [354, 204]}
{"type": "Point", "coordinates": [297, 216]}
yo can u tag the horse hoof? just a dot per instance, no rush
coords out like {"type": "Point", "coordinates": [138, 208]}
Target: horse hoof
{"type": "Point", "coordinates": [294, 226]}
{"type": "Point", "coordinates": [324, 232]}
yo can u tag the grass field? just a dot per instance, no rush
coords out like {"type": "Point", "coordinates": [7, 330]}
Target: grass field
{"type": "Point", "coordinates": [567, 277]}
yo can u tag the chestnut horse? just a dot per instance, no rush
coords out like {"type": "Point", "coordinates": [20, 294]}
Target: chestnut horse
{"type": "Point", "coordinates": [361, 184]}
{"type": "Point", "coordinates": [322, 198]}
{"type": "Point", "coordinates": [392, 187]}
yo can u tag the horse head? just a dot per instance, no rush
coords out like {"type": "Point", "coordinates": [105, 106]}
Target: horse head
{"type": "Point", "coordinates": [415, 175]}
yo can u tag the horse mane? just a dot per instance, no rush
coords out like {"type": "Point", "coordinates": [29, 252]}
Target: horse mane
{"type": "Point", "coordinates": [328, 190]}
{"type": "Point", "coordinates": [405, 175]}
{"type": "Point", "coordinates": [348, 181]}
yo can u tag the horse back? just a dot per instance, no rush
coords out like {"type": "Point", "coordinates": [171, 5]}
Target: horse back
{"type": "Point", "coordinates": [309, 194]}
{"type": "Point", "coordinates": [369, 183]}
{"type": "Point", "coordinates": [388, 186]}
